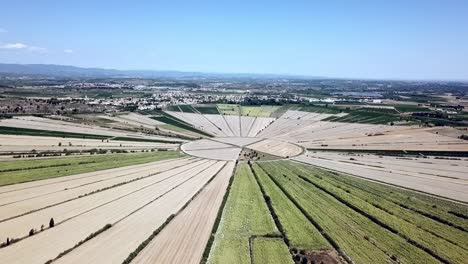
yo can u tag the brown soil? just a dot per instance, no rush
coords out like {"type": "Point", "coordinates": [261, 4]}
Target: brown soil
{"type": "Point", "coordinates": [318, 257]}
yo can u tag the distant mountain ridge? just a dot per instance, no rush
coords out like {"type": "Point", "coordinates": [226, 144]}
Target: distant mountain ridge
{"type": "Point", "coordinates": [73, 71]}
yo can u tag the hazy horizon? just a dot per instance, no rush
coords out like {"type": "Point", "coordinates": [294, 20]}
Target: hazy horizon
{"type": "Point", "coordinates": [419, 40]}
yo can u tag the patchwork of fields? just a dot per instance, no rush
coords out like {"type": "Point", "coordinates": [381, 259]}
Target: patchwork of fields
{"type": "Point", "coordinates": [231, 184]}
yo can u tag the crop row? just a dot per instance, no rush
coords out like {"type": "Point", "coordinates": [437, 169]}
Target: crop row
{"type": "Point", "coordinates": [245, 215]}
{"type": "Point", "coordinates": [439, 240]}
{"type": "Point", "coordinates": [52, 168]}
{"type": "Point", "coordinates": [361, 238]}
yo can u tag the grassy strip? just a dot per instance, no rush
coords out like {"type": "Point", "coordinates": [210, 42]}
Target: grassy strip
{"type": "Point", "coordinates": [435, 227]}
{"type": "Point", "coordinates": [317, 226]}
{"type": "Point", "coordinates": [187, 109]}
{"type": "Point", "coordinates": [269, 204]}
{"type": "Point", "coordinates": [440, 210]}
{"type": "Point", "coordinates": [77, 165]}
{"type": "Point", "coordinates": [270, 250]}
{"type": "Point", "coordinates": [245, 214]}
{"type": "Point", "coordinates": [91, 236]}
{"type": "Point", "coordinates": [42, 167]}
{"type": "Point", "coordinates": [145, 140]}
{"type": "Point", "coordinates": [438, 248]}
{"type": "Point", "coordinates": [47, 133]}
{"type": "Point", "coordinates": [172, 121]}
{"type": "Point", "coordinates": [211, 110]}
{"type": "Point", "coordinates": [299, 233]}
{"type": "Point", "coordinates": [363, 239]}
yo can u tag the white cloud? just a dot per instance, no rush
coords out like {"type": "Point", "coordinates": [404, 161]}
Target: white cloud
{"type": "Point", "coordinates": [2, 30]}
{"type": "Point", "coordinates": [22, 46]}
{"type": "Point", "coordinates": [68, 51]}
{"type": "Point", "coordinates": [14, 46]}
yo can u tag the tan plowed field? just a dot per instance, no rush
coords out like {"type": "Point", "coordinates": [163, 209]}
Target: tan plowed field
{"type": "Point", "coordinates": [185, 238]}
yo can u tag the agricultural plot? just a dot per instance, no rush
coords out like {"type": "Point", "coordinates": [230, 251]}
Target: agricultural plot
{"type": "Point", "coordinates": [10, 144]}
{"type": "Point", "coordinates": [360, 230]}
{"type": "Point", "coordinates": [160, 198]}
{"type": "Point", "coordinates": [21, 216]}
{"type": "Point", "coordinates": [207, 109]}
{"type": "Point", "coordinates": [245, 215]}
{"type": "Point", "coordinates": [229, 109]}
{"type": "Point", "coordinates": [30, 125]}
{"type": "Point", "coordinates": [289, 184]}
{"type": "Point", "coordinates": [435, 176]}
{"type": "Point", "coordinates": [16, 171]}
{"type": "Point", "coordinates": [260, 111]}
{"type": "Point", "coordinates": [175, 243]}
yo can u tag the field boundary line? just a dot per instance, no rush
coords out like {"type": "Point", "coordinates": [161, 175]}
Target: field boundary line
{"type": "Point", "coordinates": [217, 222]}
{"type": "Point", "coordinates": [98, 171]}
{"type": "Point", "coordinates": [140, 208]}
{"type": "Point", "coordinates": [93, 192]}
{"type": "Point", "coordinates": [96, 207]}
{"type": "Point", "coordinates": [382, 182]}
{"type": "Point", "coordinates": [311, 220]}
{"type": "Point", "coordinates": [81, 185]}
{"type": "Point", "coordinates": [374, 219]}
{"type": "Point", "coordinates": [135, 253]}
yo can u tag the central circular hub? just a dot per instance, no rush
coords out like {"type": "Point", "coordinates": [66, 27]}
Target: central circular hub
{"type": "Point", "coordinates": [234, 148]}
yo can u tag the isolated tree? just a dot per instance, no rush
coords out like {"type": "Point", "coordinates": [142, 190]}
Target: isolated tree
{"type": "Point", "coordinates": [8, 241]}
{"type": "Point", "coordinates": [51, 223]}
{"type": "Point", "coordinates": [60, 144]}
{"type": "Point", "coordinates": [31, 232]}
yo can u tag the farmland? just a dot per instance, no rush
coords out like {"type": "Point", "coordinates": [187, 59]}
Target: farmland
{"type": "Point", "coordinates": [232, 184]}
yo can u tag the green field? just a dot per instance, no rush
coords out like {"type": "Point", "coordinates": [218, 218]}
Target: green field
{"type": "Point", "coordinates": [320, 109]}
{"type": "Point", "coordinates": [373, 223]}
{"type": "Point", "coordinates": [18, 171]}
{"type": "Point", "coordinates": [245, 215]}
{"type": "Point", "coordinates": [270, 250]}
{"type": "Point", "coordinates": [207, 109]}
{"type": "Point", "coordinates": [411, 108]}
{"type": "Point", "coordinates": [366, 116]}
{"type": "Point", "coordinates": [229, 109]}
{"type": "Point", "coordinates": [299, 231]}
{"type": "Point", "coordinates": [187, 109]}
{"type": "Point", "coordinates": [51, 133]}
{"type": "Point", "coordinates": [259, 111]}
{"type": "Point", "coordinates": [170, 120]}
{"type": "Point", "coordinates": [47, 133]}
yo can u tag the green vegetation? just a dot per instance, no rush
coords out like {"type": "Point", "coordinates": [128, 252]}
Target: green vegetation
{"type": "Point", "coordinates": [300, 233]}
{"type": "Point", "coordinates": [321, 109]}
{"type": "Point", "coordinates": [260, 111]}
{"type": "Point", "coordinates": [375, 218]}
{"type": "Point", "coordinates": [187, 109]}
{"type": "Point", "coordinates": [51, 133]}
{"type": "Point", "coordinates": [170, 120]}
{"type": "Point", "coordinates": [365, 116]}
{"type": "Point", "coordinates": [18, 171]}
{"type": "Point", "coordinates": [47, 133]}
{"type": "Point", "coordinates": [270, 250]}
{"type": "Point", "coordinates": [143, 140]}
{"type": "Point", "coordinates": [411, 108]}
{"type": "Point", "coordinates": [245, 215]}
{"type": "Point", "coordinates": [207, 109]}
{"type": "Point", "coordinates": [229, 109]}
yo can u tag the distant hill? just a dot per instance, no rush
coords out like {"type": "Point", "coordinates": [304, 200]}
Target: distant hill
{"type": "Point", "coordinates": [72, 71]}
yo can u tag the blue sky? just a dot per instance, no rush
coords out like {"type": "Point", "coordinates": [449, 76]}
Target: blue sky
{"type": "Point", "coordinates": [349, 38]}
